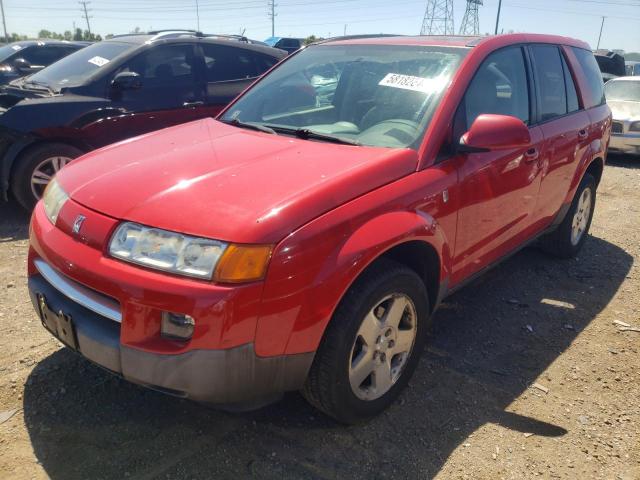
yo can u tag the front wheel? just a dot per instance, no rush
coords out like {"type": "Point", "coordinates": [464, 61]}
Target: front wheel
{"type": "Point", "coordinates": [35, 168]}
{"type": "Point", "coordinates": [567, 240]}
{"type": "Point", "coordinates": [372, 344]}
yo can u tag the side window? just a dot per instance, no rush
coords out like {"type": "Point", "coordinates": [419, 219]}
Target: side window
{"type": "Point", "coordinates": [595, 92]}
{"type": "Point", "coordinates": [263, 62]}
{"type": "Point", "coordinates": [550, 80]}
{"type": "Point", "coordinates": [164, 65]}
{"type": "Point", "coordinates": [572, 95]}
{"type": "Point", "coordinates": [228, 63]}
{"type": "Point", "coordinates": [499, 86]}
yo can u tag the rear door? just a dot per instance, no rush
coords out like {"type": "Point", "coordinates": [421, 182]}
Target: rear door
{"type": "Point", "coordinates": [171, 93]}
{"type": "Point", "coordinates": [564, 124]}
{"type": "Point", "coordinates": [228, 71]}
{"type": "Point", "coordinates": [498, 189]}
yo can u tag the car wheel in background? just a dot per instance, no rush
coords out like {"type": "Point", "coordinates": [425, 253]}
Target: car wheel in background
{"type": "Point", "coordinates": [567, 240]}
{"type": "Point", "coordinates": [35, 167]}
{"type": "Point", "coordinates": [372, 344]}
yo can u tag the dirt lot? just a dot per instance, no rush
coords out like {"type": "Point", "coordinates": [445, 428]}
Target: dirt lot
{"type": "Point", "coordinates": [471, 412]}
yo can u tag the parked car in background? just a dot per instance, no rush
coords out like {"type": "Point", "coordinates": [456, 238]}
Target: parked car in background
{"type": "Point", "coordinates": [632, 68]}
{"type": "Point", "coordinates": [288, 44]}
{"type": "Point", "coordinates": [113, 90]}
{"type": "Point", "coordinates": [623, 97]}
{"type": "Point", "coordinates": [297, 244]}
{"type": "Point", "coordinates": [611, 64]}
{"type": "Point", "coordinates": [19, 59]}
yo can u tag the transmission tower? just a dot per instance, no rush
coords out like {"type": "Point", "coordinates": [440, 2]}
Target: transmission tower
{"type": "Point", "coordinates": [471, 20]}
{"type": "Point", "coordinates": [438, 18]}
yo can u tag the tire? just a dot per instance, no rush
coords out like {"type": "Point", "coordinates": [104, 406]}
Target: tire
{"type": "Point", "coordinates": [56, 154]}
{"type": "Point", "coordinates": [562, 242]}
{"type": "Point", "coordinates": [338, 360]}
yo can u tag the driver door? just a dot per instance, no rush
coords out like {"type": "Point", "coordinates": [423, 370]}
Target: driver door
{"type": "Point", "coordinates": [498, 189]}
{"type": "Point", "coordinates": [171, 93]}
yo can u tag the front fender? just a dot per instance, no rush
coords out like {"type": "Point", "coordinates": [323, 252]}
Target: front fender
{"type": "Point", "coordinates": [313, 268]}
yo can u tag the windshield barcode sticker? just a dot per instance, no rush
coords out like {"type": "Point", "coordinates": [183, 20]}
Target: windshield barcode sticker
{"type": "Point", "coordinates": [99, 61]}
{"type": "Point", "coordinates": [409, 82]}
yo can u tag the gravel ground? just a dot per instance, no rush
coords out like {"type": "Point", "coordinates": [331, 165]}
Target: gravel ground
{"type": "Point", "coordinates": [526, 376]}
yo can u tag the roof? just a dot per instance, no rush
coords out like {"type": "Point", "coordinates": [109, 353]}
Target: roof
{"type": "Point", "coordinates": [461, 40]}
{"type": "Point", "coordinates": [169, 35]}
{"type": "Point", "coordinates": [47, 41]}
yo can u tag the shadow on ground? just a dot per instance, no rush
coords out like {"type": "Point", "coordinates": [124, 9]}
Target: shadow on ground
{"type": "Point", "coordinates": [624, 161]}
{"type": "Point", "coordinates": [84, 423]}
{"type": "Point", "coordinates": [14, 222]}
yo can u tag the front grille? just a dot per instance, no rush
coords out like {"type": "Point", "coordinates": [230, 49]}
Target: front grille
{"type": "Point", "coordinates": [616, 127]}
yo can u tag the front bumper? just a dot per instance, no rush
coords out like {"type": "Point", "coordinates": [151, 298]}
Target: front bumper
{"type": "Point", "coordinates": [230, 376]}
{"type": "Point", "coordinates": [623, 140]}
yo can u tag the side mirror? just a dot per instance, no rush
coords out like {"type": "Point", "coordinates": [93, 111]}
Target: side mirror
{"type": "Point", "coordinates": [126, 81]}
{"type": "Point", "coordinates": [22, 65]}
{"type": "Point", "coordinates": [495, 132]}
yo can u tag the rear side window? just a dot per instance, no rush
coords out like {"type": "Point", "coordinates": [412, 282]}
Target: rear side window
{"type": "Point", "coordinates": [550, 80]}
{"type": "Point", "coordinates": [594, 95]}
{"type": "Point", "coordinates": [227, 63]}
{"type": "Point", "coordinates": [572, 95]}
{"type": "Point", "coordinates": [499, 86]}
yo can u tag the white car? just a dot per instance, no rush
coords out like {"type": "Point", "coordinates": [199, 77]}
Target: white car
{"type": "Point", "coordinates": [623, 97]}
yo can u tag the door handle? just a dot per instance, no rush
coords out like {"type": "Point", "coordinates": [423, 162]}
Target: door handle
{"type": "Point", "coordinates": [531, 155]}
{"type": "Point", "coordinates": [582, 134]}
{"type": "Point", "coordinates": [192, 104]}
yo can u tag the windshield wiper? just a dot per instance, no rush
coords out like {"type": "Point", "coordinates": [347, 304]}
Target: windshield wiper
{"type": "Point", "coordinates": [39, 85]}
{"type": "Point", "coordinates": [251, 126]}
{"type": "Point", "coordinates": [305, 134]}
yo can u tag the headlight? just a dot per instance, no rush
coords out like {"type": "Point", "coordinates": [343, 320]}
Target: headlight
{"type": "Point", "coordinates": [54, 198]}
{"type": "Point", "coordinates": [634, 127]}
{"type": "Point", "coordinates": [187, 255]}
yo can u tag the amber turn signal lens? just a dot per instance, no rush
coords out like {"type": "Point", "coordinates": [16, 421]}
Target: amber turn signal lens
{"type": "Point", "coordinates": [243, 263]}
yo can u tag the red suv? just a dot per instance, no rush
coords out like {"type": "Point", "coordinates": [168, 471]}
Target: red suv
{"type": "Point", "coordinates": [303, 239]}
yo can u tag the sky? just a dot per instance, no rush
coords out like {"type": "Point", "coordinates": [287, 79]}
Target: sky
{"type": "Point", "coordinates": [300, 18]}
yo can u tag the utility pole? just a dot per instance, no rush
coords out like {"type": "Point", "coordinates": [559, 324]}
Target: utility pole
{"type": "Point", "coordinates": [198, 14]}
{"type": "Point", "coordinates": [498, 16]}
{"type": "Point", "coordinates": [272, 15]}
{"type": "Point", "coordinates": [438, 18]}
{"type": "Point", "coordinates": [344, 32]}
{"type": "Point", "coordinates": [4, 23]}
{"type": "Point", "coordinates": [599, 36]}
{"type": "Point", "coordinates": [84, 4]}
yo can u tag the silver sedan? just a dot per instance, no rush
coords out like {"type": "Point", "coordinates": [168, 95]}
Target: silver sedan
{"type": "Point", "coordinates": [623, 97]}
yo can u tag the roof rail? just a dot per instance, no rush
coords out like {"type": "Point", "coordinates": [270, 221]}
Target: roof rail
{"type": "Point", "coordinates": [158, 34]}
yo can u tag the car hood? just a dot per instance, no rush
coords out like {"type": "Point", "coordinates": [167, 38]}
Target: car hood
{"type": "Point", "coordinates": [623, 110]}
{"type": "Point", "coordinates": [210, 179]}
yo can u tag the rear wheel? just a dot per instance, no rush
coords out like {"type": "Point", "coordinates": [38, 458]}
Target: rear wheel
{"type": "Point", "coordinates": [567, 240]}
{"type": "Point", "coordinates": [372, 345]}
{"type": "Point", "coordinates": [36, 167]}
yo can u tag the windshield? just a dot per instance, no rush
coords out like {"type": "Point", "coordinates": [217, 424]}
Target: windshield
{"type": "Point", "coordinates": [74, 69]}
{"type": "Point", "coordinates": [271, 41]}
{"type": "Point", "coordinates": [622, 90]}
{"type": "Point", "coordinates": [376, 95]}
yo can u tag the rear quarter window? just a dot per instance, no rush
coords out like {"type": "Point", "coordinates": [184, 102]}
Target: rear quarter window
{"type": "Point", "coordinates": [594, 94]}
